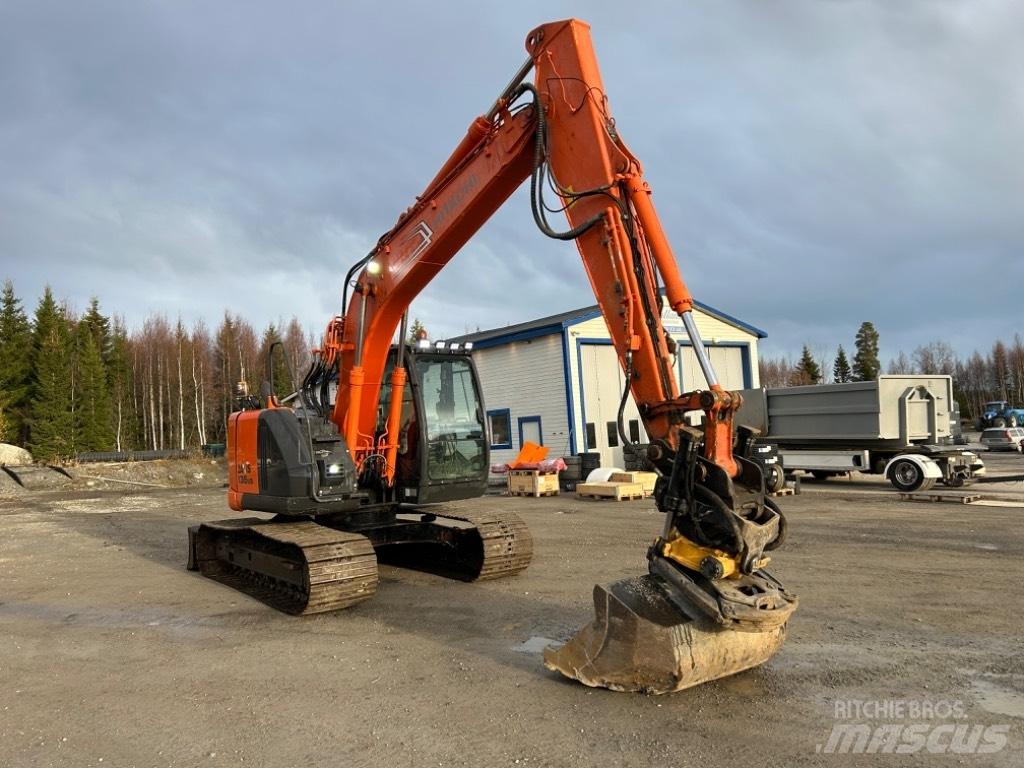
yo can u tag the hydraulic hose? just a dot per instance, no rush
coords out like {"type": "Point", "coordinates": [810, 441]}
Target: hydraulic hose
{"type": "Point", "coordinates": [619, 423]}
{"type": "Point", "coordinates": [540, 144]}
{"type": "Point", "coordinates": [712, 499]}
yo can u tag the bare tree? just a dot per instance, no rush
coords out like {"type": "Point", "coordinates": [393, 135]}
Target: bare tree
{"type": "Point", "coordinates": [935, 357]}
{"type": "Point", "coordinates": [1000, 370]}
{"type": "Point", "coordinates": [199, 342]}
{"type": "Point", "coordinates": [179, 332]}
{"type": "Point", "coordinates": [775, 371]}
{"type": "Point", "coordinates": [900, 365]}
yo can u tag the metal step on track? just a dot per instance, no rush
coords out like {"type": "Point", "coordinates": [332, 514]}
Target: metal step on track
{"type": "Point", "coordinates": [296, 567]}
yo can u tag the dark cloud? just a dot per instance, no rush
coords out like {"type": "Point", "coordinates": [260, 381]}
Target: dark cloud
{"type": "Point", "coordinates": [816, 163]}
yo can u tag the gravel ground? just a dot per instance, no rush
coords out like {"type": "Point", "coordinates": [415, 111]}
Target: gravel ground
{"type": "Point", "coordinates": [114, 655]}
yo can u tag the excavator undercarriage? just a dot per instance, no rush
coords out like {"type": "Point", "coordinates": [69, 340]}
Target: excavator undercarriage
{"type": "Point", "coordinates": [316, 565]}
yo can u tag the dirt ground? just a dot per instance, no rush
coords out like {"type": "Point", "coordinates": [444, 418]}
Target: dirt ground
{"type": "Point", "coordinates": [113, 654]}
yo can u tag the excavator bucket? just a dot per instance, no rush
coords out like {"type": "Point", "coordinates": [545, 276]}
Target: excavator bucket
{"type": "Point", "coordinates": [641, 641]}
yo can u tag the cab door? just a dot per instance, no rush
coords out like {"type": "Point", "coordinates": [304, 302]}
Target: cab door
{"type": "Point", "coordinates": [443, 452]}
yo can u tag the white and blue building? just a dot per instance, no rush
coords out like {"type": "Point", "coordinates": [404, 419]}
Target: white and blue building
{"type": "Point", "coordinates": [556, 380]}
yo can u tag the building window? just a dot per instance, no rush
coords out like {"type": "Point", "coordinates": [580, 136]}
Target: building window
{"type": "Point", "coordinates": [613, 434]}
{"type": "Point", "coordinates": [499, 423]}
{"type": "Point", "coordinates": [591, 436]}
{"type": "Point", "coordinates": [530, 430]}
{"type": "Point", "coordinates": [634, 431]}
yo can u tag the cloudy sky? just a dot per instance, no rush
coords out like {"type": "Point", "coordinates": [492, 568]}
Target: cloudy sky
{"type": "Point", "coordinates": [815, 163]}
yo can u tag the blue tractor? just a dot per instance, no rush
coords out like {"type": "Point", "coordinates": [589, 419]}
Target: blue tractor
{"type": "Point", "coordinates": [999, 413]}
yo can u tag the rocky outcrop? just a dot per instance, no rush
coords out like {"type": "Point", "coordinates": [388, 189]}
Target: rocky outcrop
{"type": "Point", "coordinates": [13, 456]}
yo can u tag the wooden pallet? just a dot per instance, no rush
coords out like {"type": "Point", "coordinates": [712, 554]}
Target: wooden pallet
{"type": "Point", "coordinates": [953, 498]}
{"type": "Point", "coordinates": [610, 491]}
{"type": "Point", "coordinates": [531, 494]}
{"type": "Point", "coordinates": [646, 479]}
{"type": "Point", "coordinates": [782, 492]}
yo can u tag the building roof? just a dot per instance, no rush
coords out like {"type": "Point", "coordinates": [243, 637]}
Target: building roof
{"type": "Point", "coordinates": [543, 326]}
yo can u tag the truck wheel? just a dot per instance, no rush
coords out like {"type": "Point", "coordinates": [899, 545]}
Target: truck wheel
{"type": "Point", "coordinates": [999, 421]}
{"type": "Point", "coordinates": [906, 476]}
{"type": "Point", "coordinates": [774, 478]}
{"type": "Point", "coordinates": [1012, 422]}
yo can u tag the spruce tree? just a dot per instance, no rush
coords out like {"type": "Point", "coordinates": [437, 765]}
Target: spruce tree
{"type": "Point", "coordinates": [866, 365]}
{"type": "Point", "coordinates": [283, 384]}
{"type": "Point", "coordinates": [841, 367]}
{"type": "Point", "coordinates": [51, 420]}
{"type": "Point", "coordinates": [807, 370]}
{"type": "Point", "coordinates": [15, 366]}
{"type": "Point", "coordinates": [92, 398]}
{"type": "Point", "coordinates": [416, 331]}
{"type": "Point", "coordinates": [99, 326]}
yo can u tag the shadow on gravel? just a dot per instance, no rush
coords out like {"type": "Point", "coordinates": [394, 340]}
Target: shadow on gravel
{"type": "Point", "coordinates": [492, 619]}
{"type": "Point", "coordinates": [135, 522]}
{"type": "Point", "coordinates": [487, 618]}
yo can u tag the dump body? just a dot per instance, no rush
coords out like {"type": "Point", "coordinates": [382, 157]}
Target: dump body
{"type": "Point", "coordinates": [892, 411]}
{"type": "Point", "coordinates": [899, 426]}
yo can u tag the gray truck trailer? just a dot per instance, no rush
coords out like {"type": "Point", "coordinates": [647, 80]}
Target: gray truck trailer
{"type": "Point", "coordinates": [896, 426]}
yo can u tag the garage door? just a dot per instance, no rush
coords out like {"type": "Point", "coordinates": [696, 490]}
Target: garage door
{"type": "Point", "coordinates": [727, 362]}
{"type": "Point", "coordinates": [602, 383]}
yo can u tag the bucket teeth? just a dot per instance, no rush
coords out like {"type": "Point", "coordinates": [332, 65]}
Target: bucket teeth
{"type": "Point", "coordinates": [641, 641]}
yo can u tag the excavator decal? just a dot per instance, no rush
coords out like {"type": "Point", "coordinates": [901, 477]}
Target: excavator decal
{"type": "Point", "coordinates": [424, 233]}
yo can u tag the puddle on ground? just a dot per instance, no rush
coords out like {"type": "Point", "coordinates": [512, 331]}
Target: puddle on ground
{"type": "Point", "coordinates": [535, 644]}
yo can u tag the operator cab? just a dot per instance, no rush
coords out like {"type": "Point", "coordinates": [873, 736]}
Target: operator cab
{"type": "Point", "coordinates": [443, 452]}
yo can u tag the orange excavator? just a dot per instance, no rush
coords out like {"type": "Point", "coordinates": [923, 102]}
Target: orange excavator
{"type": "Point", "coordinates": [362, 461]}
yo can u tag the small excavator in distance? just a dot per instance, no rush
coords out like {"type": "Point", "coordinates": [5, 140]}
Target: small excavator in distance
{"type": "Point", "coordinates": [359, 464]}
